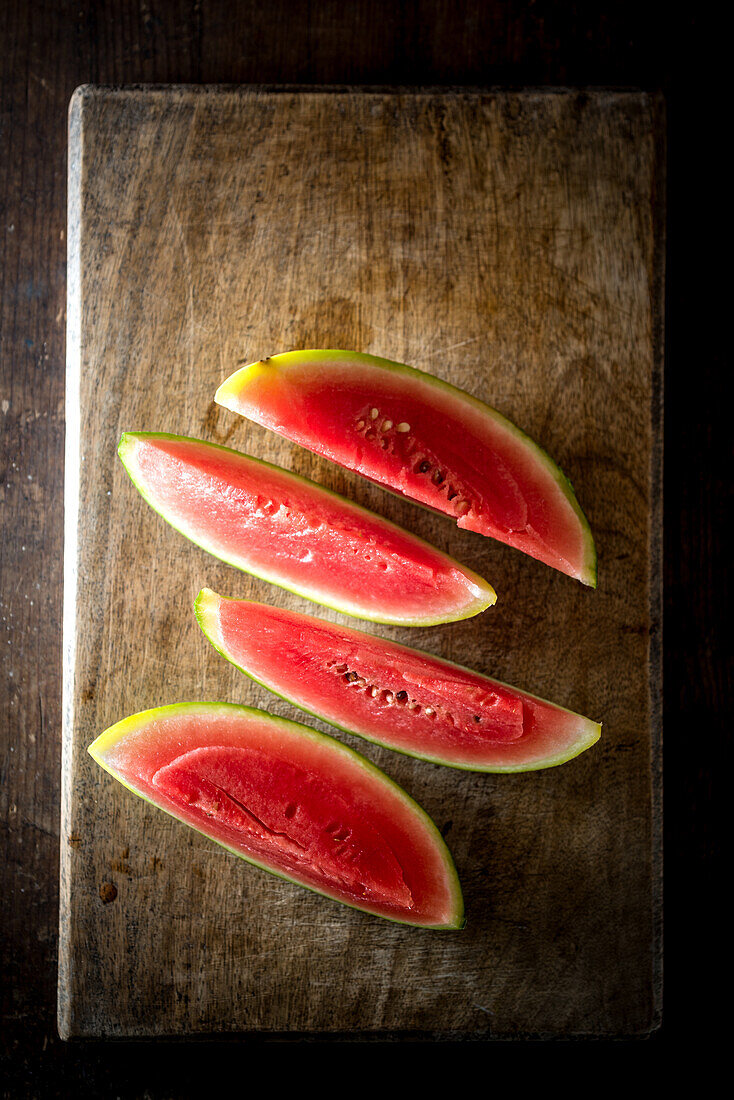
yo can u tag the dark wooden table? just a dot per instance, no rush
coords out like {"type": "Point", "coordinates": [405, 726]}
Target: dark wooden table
{"type": "Point", "coordinates": [46, 50]}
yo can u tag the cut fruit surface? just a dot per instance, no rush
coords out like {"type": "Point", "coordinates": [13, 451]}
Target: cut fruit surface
{"type": "Point", "coordinates": [292, 801]}
{"type": "Point", "coordinates": [296, 534]}
{"type": "Point", "coordinates": [421, 438]}
{"type": "Point", "coordinates": [391, 694]}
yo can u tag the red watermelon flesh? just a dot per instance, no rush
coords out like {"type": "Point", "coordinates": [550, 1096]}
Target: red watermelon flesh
{"type": "Point", "coordinates": [389, 693]}
{"type": "Point", "coordinates": [296, 534]}
{"type": "Point", "coordinates": [424, 439]}
{"type": "Point", "coordinates": [292, 801]}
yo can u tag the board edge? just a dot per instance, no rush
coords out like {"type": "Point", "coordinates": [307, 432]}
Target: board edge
{"type": "Point", "coordinates": [72, 456]}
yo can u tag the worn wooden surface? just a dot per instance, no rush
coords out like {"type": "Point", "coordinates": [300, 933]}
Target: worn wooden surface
{"type": "Point", "coordinates": [512, 244]}
{"type": "Point", "coordinates": [49, 48]}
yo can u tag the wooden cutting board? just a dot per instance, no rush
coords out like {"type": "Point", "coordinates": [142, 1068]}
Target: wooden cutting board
{"type": "Point", "coordinates": [510, 243]}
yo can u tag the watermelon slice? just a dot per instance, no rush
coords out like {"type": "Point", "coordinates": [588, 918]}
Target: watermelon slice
{"type": "Point", "coordinates": [292, 801]}
{"type": "Point", "coordinates": [391, 694]}
{"type": "Point", "coordinates": [421, 438]}
{"type": "Point", "coordinates": [294, 533]}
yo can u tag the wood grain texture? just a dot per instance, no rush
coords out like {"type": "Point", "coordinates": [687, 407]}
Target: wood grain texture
{"type": "Point", "coordinates": [505, 242]}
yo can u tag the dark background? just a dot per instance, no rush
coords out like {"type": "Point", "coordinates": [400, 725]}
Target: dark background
{"type": "Point", "coordinates": [46, 50]}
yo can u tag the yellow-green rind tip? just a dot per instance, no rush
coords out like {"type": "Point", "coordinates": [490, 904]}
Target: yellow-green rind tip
{"type": "Point", "coordinates": [596, 726]}
{"type": "Point", "coordinates": [486, 598]}
{"type": "Point", "coordinates": [127, 448]}
{"type": "Point", "coordinates": [205, 604]}
{"type": "Point", "coordinates": [205, 597]}
{"type": "Point", "coordinates": [107, 739]}
{"type": "Point", "coordinates": [590, 738]}
{"type": "Point", "coordinates": [124, 444]}
{"type": "Point", "coordinates": [593, 575]}
{"type": "Point", "coordinates": [233, 383]}
{"type": "Point", "coordinates": [458, 922]}
{"type": "Point", "coordinates": [589, 574]}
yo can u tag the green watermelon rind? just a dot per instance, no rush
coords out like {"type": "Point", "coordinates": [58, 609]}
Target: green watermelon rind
{"type": "Point", "coordinates": [203, 608]}
{"type": "Point", "coordinates": [137, 721]}
{"type": "Point", "coordinates": [126, 450]}
{"type": "Point", "coordinates": [286, 359]}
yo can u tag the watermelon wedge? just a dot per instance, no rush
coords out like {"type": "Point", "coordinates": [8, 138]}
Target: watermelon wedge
{"type": "Point", "coordinates": [292, 801]}
{"type": "Point", "coordinates": [397, 696]}
{"type": "Point", "coordinates": [296, 534]}
{"type": "Point", "coordinates": [424, 439]}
